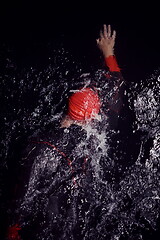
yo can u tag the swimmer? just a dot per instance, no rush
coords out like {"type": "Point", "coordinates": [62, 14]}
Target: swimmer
{"type": "Point", "coordinates": [63, 161]}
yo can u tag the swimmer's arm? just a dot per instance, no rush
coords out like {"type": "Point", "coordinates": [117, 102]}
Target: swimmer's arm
{"type": "Point", "coordinates": [106, 43]}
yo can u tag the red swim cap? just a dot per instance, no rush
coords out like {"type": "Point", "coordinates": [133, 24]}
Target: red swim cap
{"type": "Point", "coordinates": [84, 104]}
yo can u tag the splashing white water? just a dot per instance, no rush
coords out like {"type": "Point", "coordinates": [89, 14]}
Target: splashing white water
{"type": "Point", "coordinates": [121, 209]}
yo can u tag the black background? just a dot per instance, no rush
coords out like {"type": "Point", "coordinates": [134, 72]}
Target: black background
{"type": "Point", "coordinates": [32, 28]}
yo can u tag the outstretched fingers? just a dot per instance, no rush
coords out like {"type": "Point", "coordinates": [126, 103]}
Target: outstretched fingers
{"type": "Point", "coordinates": [101, 34]}
{"type": "Point", "coordinates": [114, 35]}
{"type": "Point", "coordinates": [107, 32]}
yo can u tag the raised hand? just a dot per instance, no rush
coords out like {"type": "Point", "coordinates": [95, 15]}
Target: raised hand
{"type": "Point", "coordinates": [106, 41]}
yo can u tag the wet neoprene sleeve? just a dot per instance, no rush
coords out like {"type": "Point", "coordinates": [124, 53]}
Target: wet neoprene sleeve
{"type": "Point", "coordinates": [112, 64]}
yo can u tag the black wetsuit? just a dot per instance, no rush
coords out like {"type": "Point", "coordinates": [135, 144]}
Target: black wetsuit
{"type": "Point", "coordinates": [68, 171]}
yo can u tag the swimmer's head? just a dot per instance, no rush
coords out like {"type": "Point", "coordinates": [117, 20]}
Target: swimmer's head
{"type": "Point", "coordinates": [84, 105]}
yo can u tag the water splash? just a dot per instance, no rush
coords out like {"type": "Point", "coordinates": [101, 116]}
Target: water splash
{"type": "Point", "coordinates": [124, 209]}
